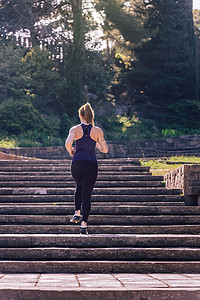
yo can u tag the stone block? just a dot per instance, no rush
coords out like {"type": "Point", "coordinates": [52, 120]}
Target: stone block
{"type": "Point", "coordinates": [195, 168]}
{"type": "Point", "coordinates": [187, 178]}
{"type": "Point", "coordinates": [170, 141]}
{"type": "Point", "coordinates": [192, 176]}
{"type": "Point", "coordinates": [191, 200]}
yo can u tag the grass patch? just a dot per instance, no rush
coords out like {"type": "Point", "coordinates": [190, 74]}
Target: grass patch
{"type": "Point", "coordinates": [162, 166]}
{"type": "Point", "coordinates": [184, 159]}
{"type": "Point", "coordinates": [8, 143]}
{"type": "Point", "coordinates": [32, 139]}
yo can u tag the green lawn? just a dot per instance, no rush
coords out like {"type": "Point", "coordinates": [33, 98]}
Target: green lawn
{"type": "Point", "coordinates": [161, 166]}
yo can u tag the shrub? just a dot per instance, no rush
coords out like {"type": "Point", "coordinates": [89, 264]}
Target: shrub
{"type": "Point", "coordinates": [184, 115]}
{"type": "Point", "coordinates": [65, 125]}
{"type": "Point", "coordinates": [19, 116]}
{"type": "Point", "coordinates": [38, 139]}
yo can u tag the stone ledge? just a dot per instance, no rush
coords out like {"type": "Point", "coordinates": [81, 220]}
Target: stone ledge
{"type": "Point", "coordinates": [100, 286]}
{"type": "Point", "coordinates": [99, 294]}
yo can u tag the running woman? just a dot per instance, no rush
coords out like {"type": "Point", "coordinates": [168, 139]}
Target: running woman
{"type": "Point", "coordinates": [84, 167]}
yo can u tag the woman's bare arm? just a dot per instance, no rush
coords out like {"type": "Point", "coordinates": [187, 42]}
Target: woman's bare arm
{"type": "Point", "coordinates": [69, 142]}
{"type": "Point", "coordinates": [101, 143]}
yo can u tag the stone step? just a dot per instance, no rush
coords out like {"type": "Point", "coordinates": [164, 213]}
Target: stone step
{"type": "Point", "coordinates": [103, 219]}
{"type": "Point", "coordinates": [96, 191]}
{"type": "Point", "coordinates": [99, 240]}
{"type": "Point", "coordinates": [135, 222]}
{"type": "Point", "coordinates": [66, 165]}
{"type": "Point", "coordinates": [10, 266]}
{"type": "Point", "coordinates": [67, 174]}
{"type": "Point", "coordinates": [65, 178]}
{"type": "Point", "coordinates": [95, 198]}
{"type": "Point", "coordinates": [41, 176]}
{"type": "Point", "coordinates": [97, 204]}
{"type": "Point", "coordinates": [99, 210]}
{"type": "Point", "coordinates": [56, 168]}
{"type": "Point", "coordinates": [109, 161]}
{"type": "Point", "coordinates": [114, 253]}
{"type": "Point", "coordinates": [101, 229]}
{"type": "Point", "coordinates": [64, 184]}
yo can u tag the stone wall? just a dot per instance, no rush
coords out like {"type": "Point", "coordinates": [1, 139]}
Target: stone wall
{"type": "Point", "coordinates": [38, 152]}
{"type": "Point", "coordinates": [59, 152]}
{"type": "Point", "coordinates": [187, 178]}
{"type": "Point", "coordinates": [188, 145]}
{"type": "Point", "coordinates": [175, 178]}
{"type": "Point", "coordinates": [174, 146]}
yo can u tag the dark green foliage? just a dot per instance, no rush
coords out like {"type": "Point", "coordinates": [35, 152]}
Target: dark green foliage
{"type": "Point", "coordinates": [98, 73]}
{"type": "Point", "coordinates": [184, 114]}
{"type": "Point", "coordinates": [45, 82]}
{"type": "Point", "coordinates": [148, 74]}
{"type": "Point", "coordinates": [13, 81]}
{"type": "Point", "coordinates": [41, 70]}
{"type": "Point", "coordinates": [166, 65]}
{"type": "Point", "coordinates": [129, 25]}
{"type": "Point", "coordinates": [65, 125]}
{"type": "Point", "coordinates": [38, 139]}
{"type": "Point", "coordinates": [19, 116]}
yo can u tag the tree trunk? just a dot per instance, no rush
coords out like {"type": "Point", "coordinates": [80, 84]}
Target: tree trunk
{"type": "Point", "coordinates": [76, 57]}
{"type": "Point", "coordinates": [76, 5]}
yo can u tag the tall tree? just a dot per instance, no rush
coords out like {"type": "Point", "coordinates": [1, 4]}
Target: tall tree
{"type": "Point", "coordinates": [13, 81]}
{"type": "Point", "coordinates": [25, 15]}
{"type": "Point", "coordinates": [45, 82]}
{"type": "Point", "coordinates": [121, 24]}
{"type": "Point", "coordinates": [55, 24]}
{"type": "Point", "coordinates": [166, 65]}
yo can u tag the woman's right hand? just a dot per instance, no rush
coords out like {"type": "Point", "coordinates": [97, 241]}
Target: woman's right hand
{"type": "Point", "coordinates": [98, 146]}
{"type": "Point", "coordinates": [73, 151]}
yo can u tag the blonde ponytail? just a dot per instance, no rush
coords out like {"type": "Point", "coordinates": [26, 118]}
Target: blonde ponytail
{"type": "Point", "coordinates": [87, 113]}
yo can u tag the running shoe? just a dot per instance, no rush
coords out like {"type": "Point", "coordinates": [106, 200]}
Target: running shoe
{"type": "Point", "coordinates": [83, 230]}
{"type": "Point", "coordinates": [75, 219]}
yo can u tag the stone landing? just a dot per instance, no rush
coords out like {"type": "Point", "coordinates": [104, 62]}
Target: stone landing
{"type": "Point", "coordinates": [100, 286]}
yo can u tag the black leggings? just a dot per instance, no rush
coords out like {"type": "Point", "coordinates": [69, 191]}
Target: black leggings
{"type": "Point", "coordinates": [84, 173]}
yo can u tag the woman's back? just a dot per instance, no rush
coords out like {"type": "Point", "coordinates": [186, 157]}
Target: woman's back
{"type": "Point", "coordinates": [94, 132]}
{"type": "Point", "coordinates": [85, 145]}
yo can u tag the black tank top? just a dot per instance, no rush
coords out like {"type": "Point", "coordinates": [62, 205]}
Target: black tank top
{"type": "Point", "coordinates": [85, 146]}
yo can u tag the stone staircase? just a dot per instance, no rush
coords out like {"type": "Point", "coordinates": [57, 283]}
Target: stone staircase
{"type": "Point", "coordinates": [136, 224]}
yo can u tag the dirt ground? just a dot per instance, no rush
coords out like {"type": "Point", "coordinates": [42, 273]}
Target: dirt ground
{"type": "Point", "coordinates": [5, 156]}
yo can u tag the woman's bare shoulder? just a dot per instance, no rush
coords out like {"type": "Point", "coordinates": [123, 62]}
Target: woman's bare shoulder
{"type": "Point", "coordinates": [98, 129]}
{"type": "Point", "coordinates": [74, 128]}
